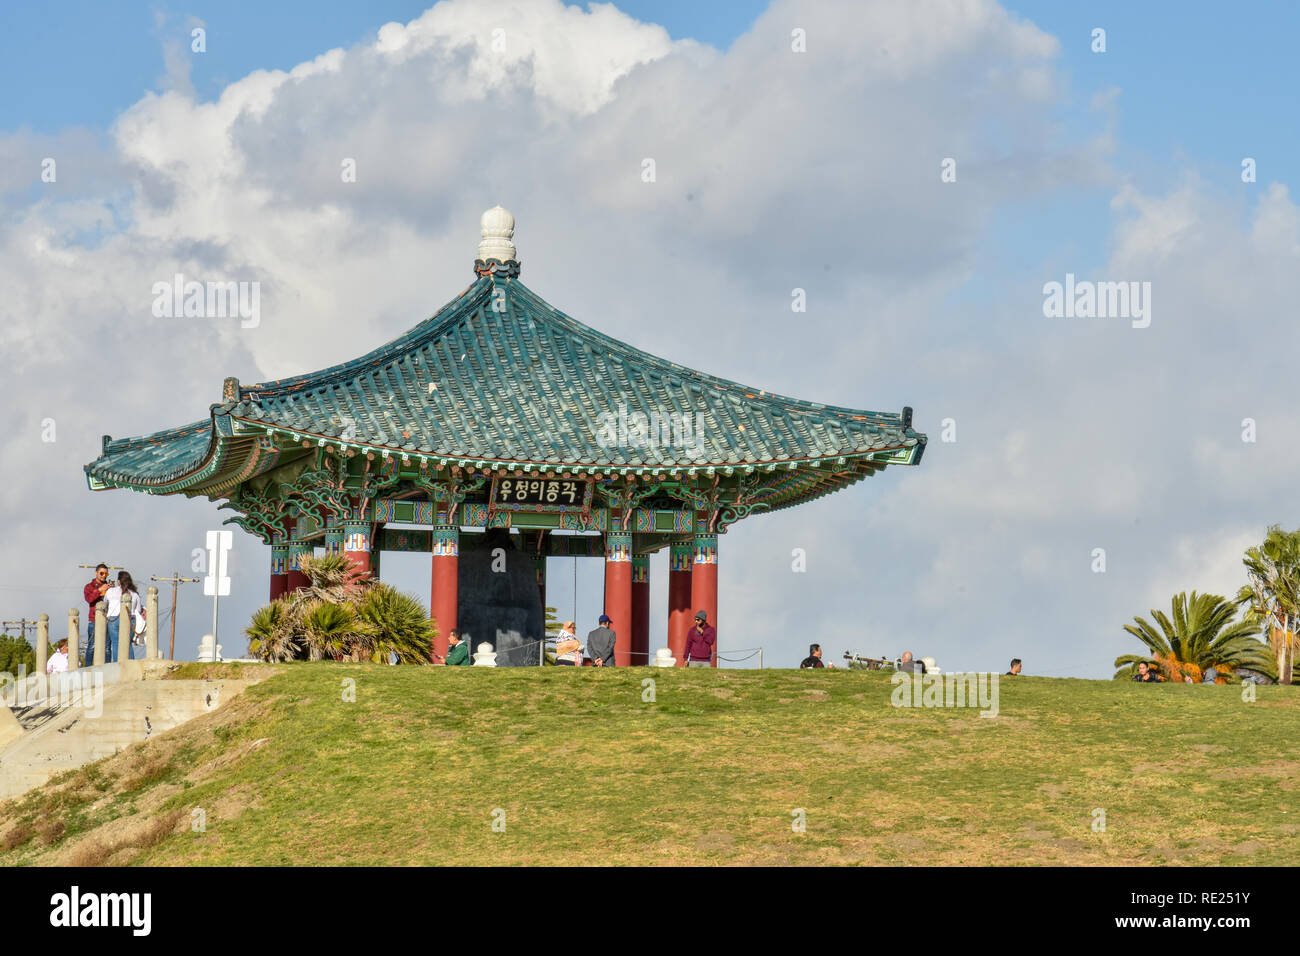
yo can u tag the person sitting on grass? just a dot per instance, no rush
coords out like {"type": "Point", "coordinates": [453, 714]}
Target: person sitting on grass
{"type": "Point", "coordinates": [1145, 674]}
{"type": "Point", "coordinates": [909, 666]}
{"type": "Point", "coordinates": [457, 651]}
{"type": "Point", "coordinates": [814, 658]}
{"type": "Point", "coordinates": [1015, 668]}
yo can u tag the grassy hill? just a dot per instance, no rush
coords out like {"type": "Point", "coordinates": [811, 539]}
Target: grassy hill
{"type": "Point", "coordinates": [417, 768]}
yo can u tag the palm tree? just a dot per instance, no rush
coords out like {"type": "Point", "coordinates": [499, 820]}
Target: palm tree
{"type": "Point", "coordinates": [1272, 598]}
{"type": "Point", "coordinates": [341, 614]}
{"type": "Point", "coordinates": [270, 634]}
{"type": "Point", "coordinates": [1200, 635]}
{"type": "Point", "coordinates": [401, 624]}
{"type": "Point", "coordinates": [337, 631]}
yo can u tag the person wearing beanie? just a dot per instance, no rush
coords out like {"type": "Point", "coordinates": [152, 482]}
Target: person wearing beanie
{"type": "Point", "coordinates": [700, 641]}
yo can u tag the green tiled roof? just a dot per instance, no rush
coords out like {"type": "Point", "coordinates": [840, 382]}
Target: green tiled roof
{"type": "Point", "coordinates": [499, 376]}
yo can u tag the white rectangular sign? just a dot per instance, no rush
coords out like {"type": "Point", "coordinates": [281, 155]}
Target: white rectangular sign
{"type": "Point", "coordinates": [217, 583]}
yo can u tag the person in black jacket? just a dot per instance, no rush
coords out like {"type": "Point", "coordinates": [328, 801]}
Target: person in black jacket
{"type": "Point", "coordinates": [1145, 674]}
{"type": "Point", "coordinates": [814, 658]}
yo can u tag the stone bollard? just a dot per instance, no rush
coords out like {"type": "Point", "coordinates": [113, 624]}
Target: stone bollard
{"type": "Point", "coordinates": [101, 634]}
{"type": "Point", "coordinates": [74, 639]}
{"type": "Point", "coordinates": [42, 643]}
{"type": "Point", "coordinates": [125, 627]}
{"type": "Point", "coordinates": [151, 623]}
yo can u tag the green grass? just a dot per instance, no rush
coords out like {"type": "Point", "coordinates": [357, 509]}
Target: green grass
{"type": "Point", "coordinates": [586, 772]}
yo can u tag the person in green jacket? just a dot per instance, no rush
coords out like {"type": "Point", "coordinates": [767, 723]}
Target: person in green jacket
{"type": "Point", "coordinates": [457, 651]}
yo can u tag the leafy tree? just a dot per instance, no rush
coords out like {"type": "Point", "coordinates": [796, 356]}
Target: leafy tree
{"type": "Point", "coordinates": [1272, 598]}
{"type": "Point", "coordinates": [343, 615]}
{"type": "Point", "coordinates": [16, 652]}
{"type": "Point", "coordinates": [1200, 634]}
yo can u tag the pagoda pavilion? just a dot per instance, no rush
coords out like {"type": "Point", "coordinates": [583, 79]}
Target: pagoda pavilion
{"type": "Point", "coordinates": [501, 412]}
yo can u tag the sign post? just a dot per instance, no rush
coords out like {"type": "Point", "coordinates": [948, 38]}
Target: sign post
{"type": "Point", "coordinates": [217, 583]}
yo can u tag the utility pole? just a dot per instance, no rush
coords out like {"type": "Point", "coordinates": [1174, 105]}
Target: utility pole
{"type": "Point", "coordinates": [176, 581]}
{"type": "Point", "coordinates": [111, 567]}
{"type": "Point", "coordinates": [22, 626]}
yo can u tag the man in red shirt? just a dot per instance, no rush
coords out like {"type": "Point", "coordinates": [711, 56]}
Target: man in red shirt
{"type": "Point", "coordinates": [699, 642]}
{"type": "Point", "coordinates": [93, 592]}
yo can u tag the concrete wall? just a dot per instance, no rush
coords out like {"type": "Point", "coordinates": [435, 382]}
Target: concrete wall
{"type": "Point", "coordinates": [64, 732]}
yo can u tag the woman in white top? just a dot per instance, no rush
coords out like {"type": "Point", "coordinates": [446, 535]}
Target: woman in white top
{"type": "Point", "coordinates": [135, 613]}
{"type": "Point", "coordinates": [58, 662]}
{"type": "Point", "coordinates": [567, 649]}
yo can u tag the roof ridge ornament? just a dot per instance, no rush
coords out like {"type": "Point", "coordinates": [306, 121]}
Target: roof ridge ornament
{"type": "Point", "coordinates": [497, 227]}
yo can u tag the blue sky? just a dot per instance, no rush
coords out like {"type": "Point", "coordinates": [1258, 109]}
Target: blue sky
{"type": "Point", "coordinates": [82, 63]}
{"type": "Point", "coordinates": [1201, 85]}
{"type": "Point", "coordinates": [1198, 79]}
{"type": "Point", "coordinates": [1129, 161]}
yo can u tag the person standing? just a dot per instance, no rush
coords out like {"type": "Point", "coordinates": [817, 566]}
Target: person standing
{"type": "Point", "coordinates": [568, 651]}
{"type": "Point", "coordinates": [58, 662]}
{"type": "Point", "coordinates": [1015, 668]}
{"type": "Point", "coordinates": [93, 593]}
{"type": "Point", "coordinates": [699, 642]}
{"type": "Point", "coordinates": [124, 607]}
{"type": "Point", "coordinates": [600, 643]}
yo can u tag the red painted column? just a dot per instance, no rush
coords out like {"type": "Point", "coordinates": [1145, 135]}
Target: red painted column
{"type": "Point", "coordinates": [444, 584]}
{"type": "Point", "coordinates": [618, 592]}
{"type": "Point", "coordinates": [279, 566]}
{"type": "Point", "coordinates": [356, 544]}
{"type": "Point", "coordinates": [679, 599]}
{"type": "Point", "coordinates": [640, 648]}
{"type": "Point", "coordinates": [704, 581]}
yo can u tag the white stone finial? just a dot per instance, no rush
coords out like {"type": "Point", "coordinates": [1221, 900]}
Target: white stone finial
{"type": "Point", "coordinates": [664, 658]}
{"type": "Point", "coordinates": [497, 227]}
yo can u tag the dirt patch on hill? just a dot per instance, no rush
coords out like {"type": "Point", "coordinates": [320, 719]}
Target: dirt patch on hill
{"type": "Point", "coordinates": [131, 790]}
{"type": "Point", "coordinates": [118, 842]}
